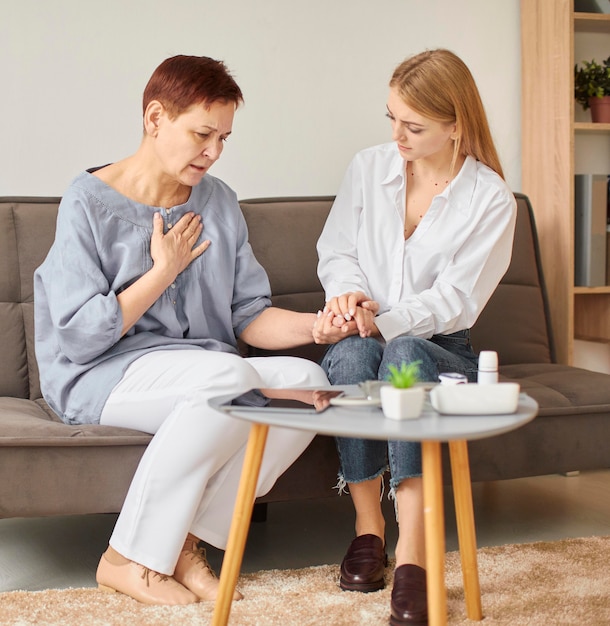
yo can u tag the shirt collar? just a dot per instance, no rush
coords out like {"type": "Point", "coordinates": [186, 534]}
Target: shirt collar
{"type": "Point", "coordinates": [461, 188]}
{"type": "Point", "coordinates": [396, 169]}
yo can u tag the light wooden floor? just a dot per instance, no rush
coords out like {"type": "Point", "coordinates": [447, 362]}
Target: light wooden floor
{"type": "Point", "coordinates": [63, 552]}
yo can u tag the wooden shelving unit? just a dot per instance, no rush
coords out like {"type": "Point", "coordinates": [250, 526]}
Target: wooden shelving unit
{"type": "Point", "coordinates": [549, 133]}
{"type": "Point", "coordinates": [590, 22]}
{"type": "Point", "coordinates": [590, 127]}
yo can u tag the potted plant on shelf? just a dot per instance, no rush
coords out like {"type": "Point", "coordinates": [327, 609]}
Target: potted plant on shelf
{"type": "Point", "coordinates": [592, 88]}
{"type": "Point", "coordinates": [402, 398]}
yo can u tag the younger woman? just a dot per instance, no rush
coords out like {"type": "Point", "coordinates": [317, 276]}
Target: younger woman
{"type": "Point", "coordinates": [416, 242]}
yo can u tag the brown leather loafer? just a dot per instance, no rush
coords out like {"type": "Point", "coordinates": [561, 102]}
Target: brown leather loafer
{"type": "Point", "coordinates": [363, 566]}
{"type": "Point", "coordinates": [409, 596]}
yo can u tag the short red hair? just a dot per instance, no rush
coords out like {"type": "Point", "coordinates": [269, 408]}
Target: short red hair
{"type": "Point", "coordinates": [181, 81]}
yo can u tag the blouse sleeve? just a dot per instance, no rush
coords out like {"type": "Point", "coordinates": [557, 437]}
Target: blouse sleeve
{"type": "Point", "coordinates": [251, 291]}
{"type": "Point", "coordinates": [75, 296]}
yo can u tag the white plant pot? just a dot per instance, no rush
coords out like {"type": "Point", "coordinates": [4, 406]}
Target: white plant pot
{"type": "Point", "coordinates": [402, 404]}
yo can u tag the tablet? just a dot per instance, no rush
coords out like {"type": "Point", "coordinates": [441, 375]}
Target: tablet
{"type": "Point", "coordinates": [283, 400]}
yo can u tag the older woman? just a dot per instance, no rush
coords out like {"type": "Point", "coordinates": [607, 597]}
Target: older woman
{"type": "Point", "coordinates": [138, 305]}
{"type": "Point", "coordinates": [416, 242]}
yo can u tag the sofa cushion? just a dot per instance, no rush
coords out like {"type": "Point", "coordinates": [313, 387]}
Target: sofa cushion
{"type": "Point", "coordinates": [27, 423]}
{"type": "Point", "coordinates": [561, 389]}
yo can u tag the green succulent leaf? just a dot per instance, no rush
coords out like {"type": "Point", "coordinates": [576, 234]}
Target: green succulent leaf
{"type": "Point", "coordinates": [404, 376]}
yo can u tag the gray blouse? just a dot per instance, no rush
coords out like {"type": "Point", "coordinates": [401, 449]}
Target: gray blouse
{"type": "Point", "coordinates": [102, 245]}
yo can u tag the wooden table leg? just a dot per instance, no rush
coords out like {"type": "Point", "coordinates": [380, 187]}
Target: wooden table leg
{"type": "Point", "coordinates": [240, 523]}
{"type": "Point", "coordinates": [462, 493]}
{"type": "Point", "coordinates": [434, 522]}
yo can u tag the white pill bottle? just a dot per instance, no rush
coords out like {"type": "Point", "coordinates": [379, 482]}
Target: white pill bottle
{"type": "Point", "coordinates": [488, 367]}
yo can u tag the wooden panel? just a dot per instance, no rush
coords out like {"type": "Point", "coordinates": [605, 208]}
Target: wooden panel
{"type": "Point", "coordinates": [547, 150]}
{"type": "Point", "coordinates": [591, 290]}
{"type": "Point", "coordinates": [592, 317]}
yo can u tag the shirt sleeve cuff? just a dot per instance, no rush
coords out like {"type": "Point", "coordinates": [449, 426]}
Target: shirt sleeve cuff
{"type": "Point", "coordinates": [390, 325]}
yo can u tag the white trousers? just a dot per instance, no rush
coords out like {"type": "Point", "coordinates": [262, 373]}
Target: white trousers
{"type": "Point", "coordinates": [188, 477]}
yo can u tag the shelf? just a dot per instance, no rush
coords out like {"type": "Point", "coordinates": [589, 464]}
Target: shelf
{"type": "Point", "coordinates": [592, 314]}
{"type": "Point", "coordinates": [593, 339]}
{"type": "Point", "coordinates": [592, 22]}
{"type": "Point", "coordinates": [586, 291]}
{"type": "Point", "coordinates": [590, 127]}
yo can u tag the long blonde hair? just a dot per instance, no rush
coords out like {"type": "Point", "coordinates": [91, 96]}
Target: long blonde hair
{"type": "Point", "coordinates": [438, 85]}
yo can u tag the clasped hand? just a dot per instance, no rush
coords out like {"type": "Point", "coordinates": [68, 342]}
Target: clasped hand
{"type": "Point", "coordinates": [351, 313]}
{"type": "Point", "coordinates": [174, 251]}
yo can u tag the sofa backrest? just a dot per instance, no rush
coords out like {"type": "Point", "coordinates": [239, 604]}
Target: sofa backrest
{"type": "Point", "coordinates": [27, 229]}
{"type": "Point", "coordinates": [283, 233]}
{"type": "Point", "coordinates": [515, 322]}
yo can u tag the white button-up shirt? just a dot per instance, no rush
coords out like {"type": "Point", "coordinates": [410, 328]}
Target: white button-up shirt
{"type": "Point", "coordinates": [440, 278]}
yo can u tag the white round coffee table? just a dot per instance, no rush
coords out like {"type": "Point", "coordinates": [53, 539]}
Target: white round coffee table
{"type": "Point", "coordinates": [431, 429]}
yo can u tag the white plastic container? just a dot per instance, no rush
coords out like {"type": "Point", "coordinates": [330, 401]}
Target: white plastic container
{"type": "Point", "coordinates": [488, 368]}
{"type": "Point", "coordinates": [474, 399]}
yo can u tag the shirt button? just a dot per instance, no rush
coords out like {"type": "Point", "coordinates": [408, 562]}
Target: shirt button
{"type": "Point", "coordinates": [173, 285]}
{"type": "Point", "coordinates": [169, 225]}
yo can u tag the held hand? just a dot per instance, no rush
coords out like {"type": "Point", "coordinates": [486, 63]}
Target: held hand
{"type": "Point", "coordinates": [365, 319]}
{"type": "Point", "coordinates": [329, 328]}
{"type": "Point", "coordinates": [345, 304]}
{"type": "Point", "coordinates": [362, 322]}
{"type": "Point", "coordinates": [174, 251]}
{"type": "Point", "coordinates": [354, 312]}
{"type": "Point", "coordinates": [371, 305]}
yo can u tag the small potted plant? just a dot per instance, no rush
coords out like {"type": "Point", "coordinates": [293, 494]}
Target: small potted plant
{"type": "Point", "coordinates": [592, 88]}
{"type": "Point", "coordinates": [402, 398]}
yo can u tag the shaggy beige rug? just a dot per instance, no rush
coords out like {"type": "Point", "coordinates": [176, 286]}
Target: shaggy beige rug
{"type": "Point", "coordinates": [542, 584]}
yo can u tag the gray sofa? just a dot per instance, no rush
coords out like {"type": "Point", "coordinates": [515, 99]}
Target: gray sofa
{"type": "Point", "coordinates": [49, 468]}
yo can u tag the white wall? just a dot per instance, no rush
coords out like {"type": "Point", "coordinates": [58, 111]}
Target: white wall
{"type": "Point", "coordinates": [314, 75]}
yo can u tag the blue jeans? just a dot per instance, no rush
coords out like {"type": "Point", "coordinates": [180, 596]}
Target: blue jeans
{"type": "Point", "coordinates": [355, 359]}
